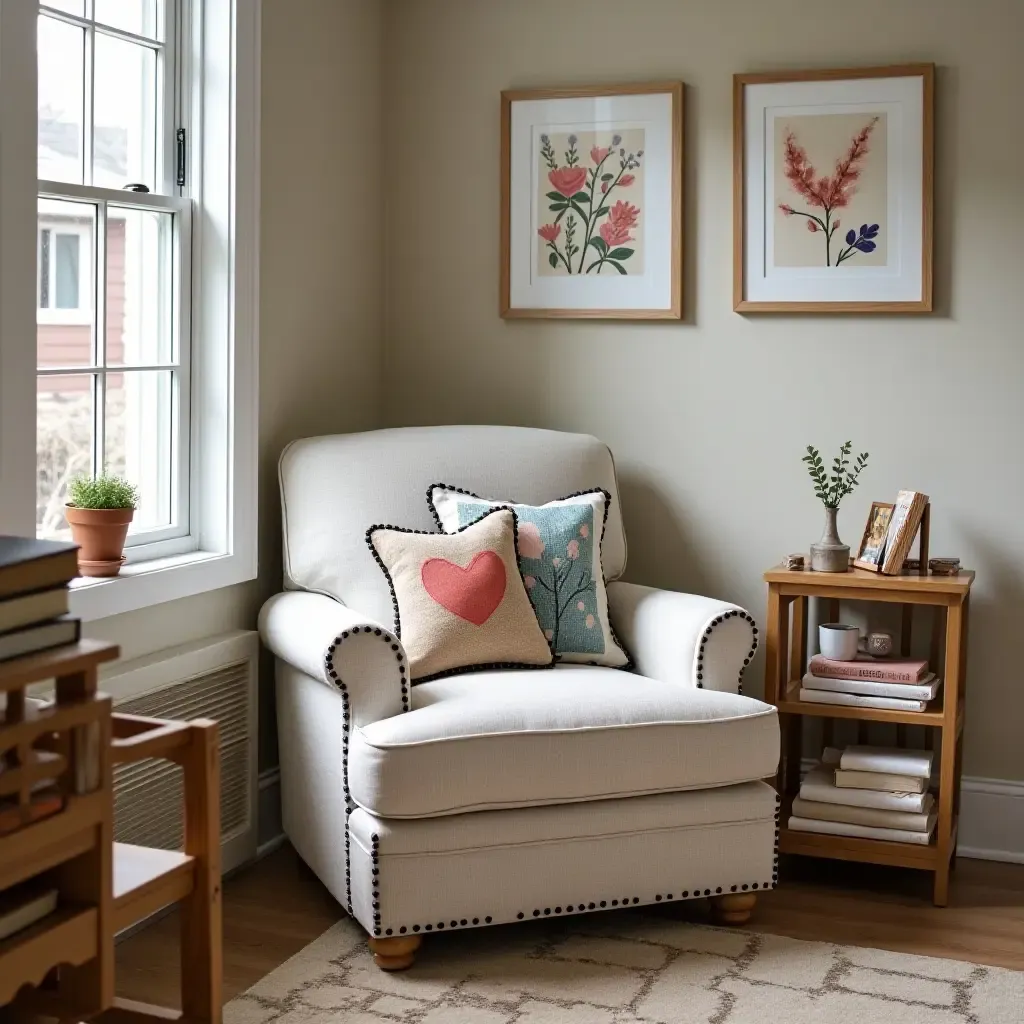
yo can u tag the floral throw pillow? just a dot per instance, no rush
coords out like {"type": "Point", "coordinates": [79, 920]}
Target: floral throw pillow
{"type": "Point", "coordinates": [560, 561]}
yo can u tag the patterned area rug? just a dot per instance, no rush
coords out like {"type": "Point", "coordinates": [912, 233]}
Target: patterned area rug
{"type": "Point", "coordinates": [625, 968]}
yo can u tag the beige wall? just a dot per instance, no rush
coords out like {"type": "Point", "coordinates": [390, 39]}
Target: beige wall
{"type": "Point", "coordinates": [321, 278]}
{"type": "Point", "coordinates": [708, 418]}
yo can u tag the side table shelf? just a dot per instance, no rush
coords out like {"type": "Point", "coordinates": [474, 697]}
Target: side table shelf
{"type": "Point", "coordinates": [63, 965]}
{"type": "Point", "coordinates": [786, 642]}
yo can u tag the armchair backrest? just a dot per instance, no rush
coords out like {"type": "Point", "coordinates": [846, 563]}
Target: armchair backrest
{"type": "Point", "coordinates": [334, 488]}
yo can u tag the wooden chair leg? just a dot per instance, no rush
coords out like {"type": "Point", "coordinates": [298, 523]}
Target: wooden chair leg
{"type": "Point", "coordinates": [395, 954]}
{"type": "Point", "coordinates": [733, 907]}
{"type": "Point", "coordinates": [201, 965]}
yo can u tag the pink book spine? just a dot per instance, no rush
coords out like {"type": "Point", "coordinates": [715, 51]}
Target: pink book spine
{"type": "Point", "coordinates": [889, 672]}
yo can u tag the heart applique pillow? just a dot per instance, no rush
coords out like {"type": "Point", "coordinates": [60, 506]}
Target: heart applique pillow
{"type": "Point", "coordinates": [560, 561]}
{"type": "Point", "coordinates": [460, 603]}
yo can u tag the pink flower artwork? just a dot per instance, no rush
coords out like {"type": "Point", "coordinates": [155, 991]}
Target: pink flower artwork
{"type": "Point", "coordinates": [584, 531]}
{"type": "Point", "coordinates": [572, 549]}
{"type": "Point", "coordinates": [529, 582]}
{"type": "Point", "coordinates": [568, 180]}
{"type": "Point", "coordinates": [556, 561]}
{"type": "Point", "coordinates": [530, 543]}
{"type": "Point", "coordinates": [580, 195]}
{"type": "Point", "coordinates": [827, 193]}
{"type": "Point", "coordinates": [590, 620]}
{"type": "Point", "coordinates": [581, 606]}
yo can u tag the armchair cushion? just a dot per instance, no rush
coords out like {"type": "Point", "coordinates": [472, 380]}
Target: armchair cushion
{"type": "Point", "coordinates": [519, 739]}
{"type": "Point", "coordinates": [460, 602]}
{"type": "Point", "coordinates": [560, 556]}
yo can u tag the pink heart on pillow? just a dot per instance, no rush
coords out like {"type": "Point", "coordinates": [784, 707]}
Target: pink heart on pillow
{"type": "Point", "coordinates": [473, 593]}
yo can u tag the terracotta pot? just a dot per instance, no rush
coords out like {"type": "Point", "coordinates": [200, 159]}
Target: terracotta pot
{"type": "Point", "coordinates": [100, 534]}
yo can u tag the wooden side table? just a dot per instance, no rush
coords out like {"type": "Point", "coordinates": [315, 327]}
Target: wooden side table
{"type": "Point", "coordinates": [789, 593]}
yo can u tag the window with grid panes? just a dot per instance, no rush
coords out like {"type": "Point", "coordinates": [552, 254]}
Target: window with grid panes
{"type": "Point", "coordinates": [113, 273]}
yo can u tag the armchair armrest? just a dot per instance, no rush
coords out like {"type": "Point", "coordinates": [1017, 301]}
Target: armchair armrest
{"type": "Point", "coordinates": [683, 638]}
{"type": "Point", "coordinates": [341, 648]}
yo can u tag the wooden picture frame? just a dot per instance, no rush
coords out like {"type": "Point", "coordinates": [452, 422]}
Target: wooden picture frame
{"type": "Point", "coordinates": [575, 156]}
{"type": "Point", "coordinates": [871, 549]}
{"type": "Point", "coordinates": [793, 134]}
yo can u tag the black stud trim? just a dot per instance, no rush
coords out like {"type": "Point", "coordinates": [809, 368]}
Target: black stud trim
{"type": "Point", "coordinates": [706, 635]}
{"type": "Point", "coordinates": [630, 663]}
{"type": "Point", "coordinates": [490, 667]}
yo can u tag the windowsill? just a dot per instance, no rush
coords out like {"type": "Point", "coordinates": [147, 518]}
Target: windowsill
{"type": "Point", "coordinates": [154, 582]}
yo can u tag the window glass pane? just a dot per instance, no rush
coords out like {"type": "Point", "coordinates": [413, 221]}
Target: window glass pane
{"type": "Point", "coordinates": [139, 287]}
{"type": "Point", "coordinates": [65, 293]}
{"type": "Point", "coordinates": [138, 16]}
{"type": "Point", "coordinates": [138, 440]}
{"type": "Point", "coordinates": [64, 438]}
{"type": "Point", "coordinates": [65, 271]}
{"type": "Point", "coordinates": [61, 99]}
{"type": "Point", "coordinates": [124, 136]}
{"type": "Point", "coordinates": [68, 6]}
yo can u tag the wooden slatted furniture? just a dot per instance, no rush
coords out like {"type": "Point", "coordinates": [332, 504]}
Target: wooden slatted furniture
{"type": "Point", "coordinates": [948, 597]}
{"type": "Point", "coordinates": [63, 966]}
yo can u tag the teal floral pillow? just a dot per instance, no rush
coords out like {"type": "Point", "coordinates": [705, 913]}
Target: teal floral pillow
{"type": "Point", "coordinates": [560, 560]}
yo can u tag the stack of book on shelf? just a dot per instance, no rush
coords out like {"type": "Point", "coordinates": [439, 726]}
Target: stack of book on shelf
{"type": "Point", "coordinates": [868, 792]}
{"type": "Point", "coordinates": [34, 577]}
{"type": "Point", "coordinates": [870, 682]}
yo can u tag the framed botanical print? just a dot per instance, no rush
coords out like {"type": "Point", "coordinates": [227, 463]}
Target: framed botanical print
{"type": "Point", "coordinates": [832, 191]}
{"type": "Point", "coordinates": [591, 202]}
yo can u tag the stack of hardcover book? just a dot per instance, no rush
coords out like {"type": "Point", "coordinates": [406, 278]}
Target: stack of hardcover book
{"type": "Point", "coordinates": [869, 682]}
{"type": "Point", "coordinates": [34, 577]}
{"type": "Point", "coordinates": [868, 792]}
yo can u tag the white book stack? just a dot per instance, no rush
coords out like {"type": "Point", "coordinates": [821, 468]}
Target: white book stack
{"type": "Point", "coordinates": [870, 793]}
{"type": "Point", "coordinates": [869, 693]}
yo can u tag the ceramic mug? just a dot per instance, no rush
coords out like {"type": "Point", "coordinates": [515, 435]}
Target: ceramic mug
{"type": "Point", "coordinates": [838, 642]}
{"type": "Point", "coordinates": [878, 644]}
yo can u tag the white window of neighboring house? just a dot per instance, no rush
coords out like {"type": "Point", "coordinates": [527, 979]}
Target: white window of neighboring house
{"type": "Point", "coordinates": [145, 170]}
{"type": "Point", "coordinates": [63, 281]}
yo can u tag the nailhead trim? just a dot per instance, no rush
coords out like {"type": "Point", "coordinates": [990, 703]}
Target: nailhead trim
{"type": "Point", "coordinates": [346, 717]}
{"type": "Point", "coordinates": [630, 663]}
{"type": "Point", "coordinates": [706, 635]}
{"type": "Point", "coordinates": [581, 908]}
{"type": "Point", "coordinates": [492, 666]}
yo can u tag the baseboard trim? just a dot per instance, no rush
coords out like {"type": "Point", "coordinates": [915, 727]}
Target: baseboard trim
{"type": "Point", "coordinates": [991, 818]}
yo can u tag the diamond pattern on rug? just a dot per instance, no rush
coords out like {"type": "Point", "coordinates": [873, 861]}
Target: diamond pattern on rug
{"type": "Point", "coordinates": [625, 968]}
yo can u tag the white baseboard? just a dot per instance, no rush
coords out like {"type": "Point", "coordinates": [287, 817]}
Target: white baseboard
{"type": "Point", "coordinates": [991, 818]}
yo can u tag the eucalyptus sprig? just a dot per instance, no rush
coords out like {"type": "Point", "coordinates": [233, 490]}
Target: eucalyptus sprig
{"type": "Point", "coordinates": [832, 488]}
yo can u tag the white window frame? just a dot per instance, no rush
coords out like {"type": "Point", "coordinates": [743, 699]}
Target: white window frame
{"type": "Point", "coordinates": [220, 46]}
{"type": "Point", "coordinates": [82, 313]}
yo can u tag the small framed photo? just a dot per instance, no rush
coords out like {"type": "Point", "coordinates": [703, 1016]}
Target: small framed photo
{"type": "Point", "coordinates": [871, 552]}
{"type": "Point", "coordinates": [832, 190]}
{"type": "Point", "coordinates": [591, 202]}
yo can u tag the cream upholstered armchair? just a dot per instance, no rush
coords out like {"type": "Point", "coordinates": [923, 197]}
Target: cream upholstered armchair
{"type": "Point", "coordinates": [503, 796]}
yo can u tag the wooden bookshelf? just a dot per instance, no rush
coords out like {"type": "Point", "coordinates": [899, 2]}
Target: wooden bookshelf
{"type": "Point", "coordinates": [63, 965]}
{"type": "Point", "coordinates": [947, 598]}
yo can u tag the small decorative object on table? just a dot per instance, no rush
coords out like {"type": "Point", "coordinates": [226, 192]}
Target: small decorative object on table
{"type": "Point", "coordinates": [830, 554]}
{"type": "Point", "coordinates": [793, 562]}
{"type": "Point", "coordinates": [910, 565]}
{"type": "Point", "coordinates": [878, 645]}
{"type": "Point", "coordinates": [872, 543]}
{"type": "Point", "coordinates": [947, 566]}
{"type": "Point", "coordinates": [99, 512]}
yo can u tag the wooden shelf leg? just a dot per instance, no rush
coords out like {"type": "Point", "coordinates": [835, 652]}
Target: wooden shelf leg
{"type": "Point", "coordinates": [201, 951]}
{"type": "Point", "coordinates": [952, 692]}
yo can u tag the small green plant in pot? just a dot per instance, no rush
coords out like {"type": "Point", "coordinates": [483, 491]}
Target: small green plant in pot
{"type": "Point", "coordinates": [99, 511]}
{"type": "Point", "coordinates": [830, 554]}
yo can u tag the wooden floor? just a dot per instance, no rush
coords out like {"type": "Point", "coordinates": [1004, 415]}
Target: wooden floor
{"type": "Point", "coordinates": [275, 907]}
